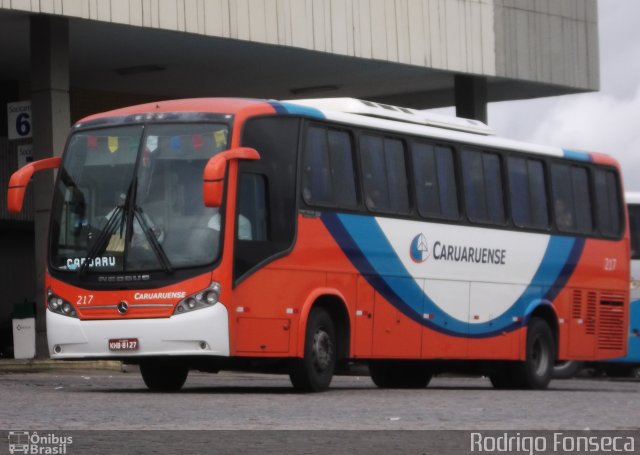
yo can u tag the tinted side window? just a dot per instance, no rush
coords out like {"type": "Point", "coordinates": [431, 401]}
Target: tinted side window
{"type": "Point", "coordinates": [342, 169]}
{"type": "Point", "coordinates": [634, 228]}
{"type": "Point", "coordinates": [266, 196]}
{"type": "Point", "coordinates": [252, 222]}
{"type": "Point", "coordinates": [607, 200]}
{"type": "Point", "coordinates": [435, 182]}
{"type": "Point", "coordinates": [538, 193]}
{"type": "Point", "coordinates": [581, 195]}
{"type": "Point", "coordinates": [384, 174]}
{"type": "Point", "coordinates": [527, 192]}
{"type": "Point", "coordinates": [328, 176]}
{"type": "Point", "coordinates": [571, 198]}
{"type": "Point", "coordinates": [482, 180]}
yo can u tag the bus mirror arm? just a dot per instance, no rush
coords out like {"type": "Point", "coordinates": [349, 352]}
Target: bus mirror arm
{"type": "Point", "coordinates": [215, 169]}
{"type": "Point", "coordinates": [21, 178]}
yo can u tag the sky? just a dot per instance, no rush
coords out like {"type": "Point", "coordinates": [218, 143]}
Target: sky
{"type": "Point", "coordinates": [607, 121]}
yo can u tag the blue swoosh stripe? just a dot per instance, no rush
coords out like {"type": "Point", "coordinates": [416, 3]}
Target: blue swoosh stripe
{"type": "Point", "coordinates": [364, 243]}
{"type": "Point", "coordinates": [577, 155]}
{"type": "Point", "coordinates": [296, 109]}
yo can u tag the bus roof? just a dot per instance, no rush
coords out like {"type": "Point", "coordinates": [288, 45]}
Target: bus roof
{"type": "Point", "coordinates": [359, 113]}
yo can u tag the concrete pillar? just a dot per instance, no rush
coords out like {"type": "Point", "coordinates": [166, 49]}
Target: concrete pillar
{"type": "Point", "coordinates": [471, 97]}
{"type": "Point", "coordinates": [51, 122]}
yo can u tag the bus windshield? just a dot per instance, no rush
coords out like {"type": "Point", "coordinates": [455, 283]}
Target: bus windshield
{"type": "Point", "coordinates": [129, 198]}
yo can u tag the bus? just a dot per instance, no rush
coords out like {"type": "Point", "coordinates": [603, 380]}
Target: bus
{"type": "Point", "coordinates": [633, 350]}
{"type": "Point", "coordinates": [307, 236]}
{"type": "Point", "coordinates": [628, 365]}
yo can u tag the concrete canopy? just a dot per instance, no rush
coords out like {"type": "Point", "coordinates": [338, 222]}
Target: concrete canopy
{"type": "Point", "coordinates": [157, 63]}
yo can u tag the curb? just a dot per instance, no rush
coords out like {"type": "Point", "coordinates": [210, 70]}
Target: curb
{"type": "Point", "coordinates": [9, 365]}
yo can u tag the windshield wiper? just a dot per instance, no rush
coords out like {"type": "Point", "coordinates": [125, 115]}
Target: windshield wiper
{"type": "Point", "coordinates": [153, 241]}
{"type": "Point", "coordinates": [124, 214]}
{"type": "Point", "coordinates": [100, 243]}
{"type": "Point", "coordinates": [134, 211]}
{"type": "Point", "coordinates": [119, 212]}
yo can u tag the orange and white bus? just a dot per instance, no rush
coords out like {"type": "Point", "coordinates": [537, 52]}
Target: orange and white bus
{"type": "Point", "coordinates": [304, 235]}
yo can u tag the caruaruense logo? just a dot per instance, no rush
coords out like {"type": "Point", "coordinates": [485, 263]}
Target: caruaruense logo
{"type": "Point", "coordinates": [419, 251]}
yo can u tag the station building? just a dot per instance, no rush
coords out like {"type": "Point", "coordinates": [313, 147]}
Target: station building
{"type": "Point", "coordinates": [63, 59]}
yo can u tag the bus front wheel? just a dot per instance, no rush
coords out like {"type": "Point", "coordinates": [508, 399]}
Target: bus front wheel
{"type": "Point", "coordinates": [314, 372]}
{"type": "Point", "coordinates": [163, 376]}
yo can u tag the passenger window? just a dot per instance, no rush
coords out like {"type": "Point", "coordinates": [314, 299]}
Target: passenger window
{"type": "Point", "coordinates": [384, 174]}
{"type": "Point", "coordinates": [607, 203]}
{"type": "Point", "coordinates": [581, 194]}
{"type": "Point", "coordinates": [482, 180]}
{"type": "Point", "coordinates": [252, 222]}
{"type": "Point", "coordinates": [571, 198]}
{"type": "Point", "coordinates": [328, 175]}
{"type": "Point", "coordinates": [266, 193]}
{"type": "Point", "coordinates": [527, 191]}
{"type": "Point", "coordinates": [434, 178]}
{"type": "Point", "coordinates": [634, 228]}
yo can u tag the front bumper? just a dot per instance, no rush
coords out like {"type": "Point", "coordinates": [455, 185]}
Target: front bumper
{"type": "Point", "coordinates": [203, 332]}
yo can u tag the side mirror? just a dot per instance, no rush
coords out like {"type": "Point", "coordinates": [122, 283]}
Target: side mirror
{"type": "Point", "coordinates": [21, 178]}
{"type": "Point", "coordinates": [215, 169]}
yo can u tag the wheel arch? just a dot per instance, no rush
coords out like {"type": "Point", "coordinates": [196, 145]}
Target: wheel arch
{"type": "Point", "coordinates": [545, 311]}
{"type": "Point", "coordinates": [334, 303]}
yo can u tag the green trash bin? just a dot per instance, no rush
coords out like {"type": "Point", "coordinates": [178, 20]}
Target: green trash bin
{"type": "Point", "coordinates": [24, 330]}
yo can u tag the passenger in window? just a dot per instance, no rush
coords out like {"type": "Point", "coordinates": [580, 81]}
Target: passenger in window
{"type": "Point", "coordinates": [244, 226]}
{"type": "Point", "coordinates": [372, 199]}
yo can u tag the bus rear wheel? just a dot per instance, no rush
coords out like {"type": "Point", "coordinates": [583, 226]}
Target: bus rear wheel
{"type": "Point", "coordinates": [537, 369]}
{"type": "Point", "coordinates": [314, 372]}
{"type": "Point", "coordinates": [164, 376]}
{"type": "Point", "coordinates": [399, 375]}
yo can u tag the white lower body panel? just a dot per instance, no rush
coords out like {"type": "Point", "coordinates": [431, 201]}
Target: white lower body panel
{"type": "Point", "coordinates": [200, 332]}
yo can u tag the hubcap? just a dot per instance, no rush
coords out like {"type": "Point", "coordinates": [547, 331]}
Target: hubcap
{"type": "Point", "coordinates": [322, 350]}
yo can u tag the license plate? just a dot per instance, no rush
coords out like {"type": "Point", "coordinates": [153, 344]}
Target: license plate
{"type": "Point", "coordinates": [123, 344]}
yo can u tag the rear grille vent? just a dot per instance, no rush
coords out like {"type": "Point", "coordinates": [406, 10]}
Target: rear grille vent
{"type": "Point", "coordinates": [576, 304]}
{"type": "Point", "coordinates": [590, 319]}
{"type": "Point", "coordinates": [611, 322]}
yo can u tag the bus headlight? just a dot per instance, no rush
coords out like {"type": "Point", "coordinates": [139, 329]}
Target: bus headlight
{"type": "Point", "coordinates": [211, 297]}
{"type": "Point", "coordinates": [60, 306]}
{"type": "Point", "coordinates": [201, 299]}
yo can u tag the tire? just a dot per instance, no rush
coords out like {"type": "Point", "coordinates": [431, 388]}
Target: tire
{"type": "Point", "coordinates": [314, 372]}
{"type": "Point", "coordinates": [567, 369]}
{"type": "Point", "coordinates": [399, 375]}
{"type": "Point", "coordinates": [536, 371]}
{"type": "Point", "coordinates": [164, 376]}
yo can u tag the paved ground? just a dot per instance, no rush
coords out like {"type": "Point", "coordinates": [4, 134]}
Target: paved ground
{"type": "Point", "coordinates": [78, 400]}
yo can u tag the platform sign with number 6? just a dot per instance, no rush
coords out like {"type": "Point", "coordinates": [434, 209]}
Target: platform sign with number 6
{"type": "Point", "coordinates": [19, 120]}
